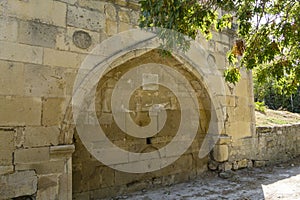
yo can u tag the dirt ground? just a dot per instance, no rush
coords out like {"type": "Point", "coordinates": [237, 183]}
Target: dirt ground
{"type": "Point", "coordinates": [281, 181]}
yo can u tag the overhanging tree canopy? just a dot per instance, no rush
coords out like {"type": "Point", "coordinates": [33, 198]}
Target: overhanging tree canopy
{"type": "Point", "coordinates": [268, 32]}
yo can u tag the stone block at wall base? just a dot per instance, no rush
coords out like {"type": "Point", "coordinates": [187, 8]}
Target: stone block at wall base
{"type": "Point", "coordinates": [220, 153]}
{"type": "Point", "coordinates": [259, 163]}
{"type": "Point", "coordinates": [48, 187]}
{"type": "Point", "coordinates": [226, 166]}
{"type": "Point", "coordinates": [240, 164]}
{"type": "Point", "coordinates": [20, 183]}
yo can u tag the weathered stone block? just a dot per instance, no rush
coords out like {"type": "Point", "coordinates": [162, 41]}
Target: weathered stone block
{"type": "Point", "coordinates": [92, 4]}
{"type": "Point", "coordinates": [220, 153]}
{"type": "Point", "coordinates": [65, 186]}
{"type": "Point", "coordinates": [87, 177]}
{"type": "Point", "coordinates": [7, 139]}
{"type": "Point", "coordinates": [41, 136]}
{"type": "Point", "coordinates": [250, 164]}
{"type": "Point", "coordinates": [124, 27]}
{"type": "Point", "coordinates": [213, 165]}
{"type": "Point", "coordinates": [231, 101]}
{"type": "Point", "coordinates": [224, 139]}
{"type": "Point", "coordinates": [70, 79]}
{"type": "Point", "coordinates": [124, 16]}
{"type": "Point", "coordinates": [134, 17]}
{"type": "Point", "coordinates": [6, 147]}
{"type": "Point", "coordinates": [21, 52]}
{"type": "Point", "coordinates": [38, 34]}
{"type": "Point", "coordinates": [6, 157]}
{"type": "Point", "coordinates": [19, 137]}
{"type": "Point", "coordinates": [44, 81]}
{"type": "Point", "coordinates": [83, 18]}
{"type": "Point", "coordinates": [61, 151]}
{"type": "Point", "coordinates": [221, 37]}
{"type": "Point", "coordinates": [259, 163]}
{"type": "Point", "coordinates": [201, 164]}
{"type": "Point", "coordinates": [11, 78]}
{"type": "Point", "coordinates": [238, 130]}
{"type": "Point", "coordinates": [226, 166]}
{"type": "Point", "coordinates": [18, 184]}
{"type": "Point", "coordinates": [43, 167]}
{"type": "Point", "coordinates": [168, 180]}
{"type": "Point", "coordinates": [242, 163]}
{"type": "Point", "coordinates": [47, 11]}
{"type": "Point", "coordinates": [114, 155]}
{"type": "Point", "coordinates": [53, 111]}
{"type": "Point", "coordinates": [48, 187]}
{"type": "Point", "coordinates": [122, 178]}
{"type": "Point", "coordinates": [111, 27]}
{"type": "Point", "coordinates": [8, 29]}
{"type": "Point", "coordinates": [32, 155]}
{"type": "Point", "coordinates": [86, 195]}
{"type": "Point", "coordinates": [62, 58]}
{"type": "Point", "coordinates": [20, 111]}
{"type": "Point", "coordinates": [6, 169]}
{"type": "Point", "coordinates": [106, 176]}
{"type": "Point", "coordinates": [222, 48]}
{"type": "Point", "coordinates": [242, 88]}
{"type": "Point", "coordinates": [183, 165]}
{"type": "Point", "coordinates": [121, 2]}
{"type": "Point", "coordinates": [110, 12]}
{"type": "Point", "coordinates": [220, 61]}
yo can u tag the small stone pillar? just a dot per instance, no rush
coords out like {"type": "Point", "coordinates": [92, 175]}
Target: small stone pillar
{"type": "Point", "coordinates": [220, 150]}
{"type": "Point", "coordinates": [64, 153]}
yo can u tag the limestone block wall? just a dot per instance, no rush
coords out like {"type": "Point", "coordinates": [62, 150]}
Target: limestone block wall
{"type": "Point", "coordinates": [279, 143]}
{"type": "Point", "coordinates": [42, 45]}
{"type": "Point", "coordinates": [270, 144]}
{"type": "Point", "coordinates": [92, 179]}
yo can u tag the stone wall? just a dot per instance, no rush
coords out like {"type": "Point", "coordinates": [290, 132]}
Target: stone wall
{"type": "Point", "coordinates": [277, 144]}
{"type": "Point", "coordinates": [93, 179]}
{"type": "Point", "coordinates": [270, 145]}
{"type": "Point", "coordinates": [31, 166]}
{"type": "Point", "coordinates": [42, 45]}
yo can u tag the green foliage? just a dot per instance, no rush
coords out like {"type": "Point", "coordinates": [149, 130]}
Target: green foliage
{"type": "Point", "coordinates": [268, 32]}
{"type": "Point", "coordinates": [274, 94]}
{"type": "Point", "coordinates": [232, 75]}
{"type": "Point", "coordinates": [260, 106]}
{"type": "Point", "coordinates": [276, 121]}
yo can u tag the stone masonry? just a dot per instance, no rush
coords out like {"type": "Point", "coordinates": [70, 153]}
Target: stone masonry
{"type": "Point", "coordinates": [42, 46]}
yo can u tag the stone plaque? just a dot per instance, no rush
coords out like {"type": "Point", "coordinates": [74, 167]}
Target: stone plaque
{"type": "Point", "coordinates": [82, 39]}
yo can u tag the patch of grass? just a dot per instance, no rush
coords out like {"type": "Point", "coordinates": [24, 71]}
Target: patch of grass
{"type": "Point", "coordinates": [277, 121]}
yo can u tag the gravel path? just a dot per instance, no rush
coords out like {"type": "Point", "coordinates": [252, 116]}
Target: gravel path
{"type": "Point", "coordinates": [274, 182]}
